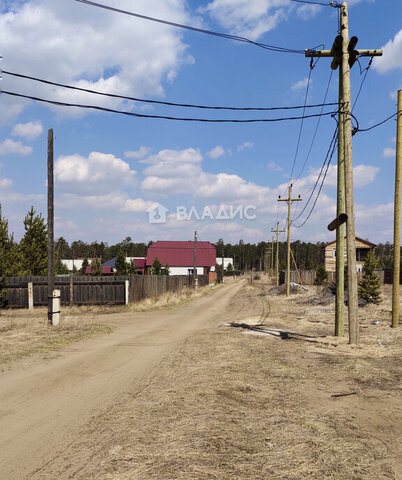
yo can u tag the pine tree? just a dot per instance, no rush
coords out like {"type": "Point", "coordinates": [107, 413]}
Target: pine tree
{"type": "Point", "coordinates": [165, 270]}
{"type": "Point", "coordinates": [33, 246]}
{"type": "Point", "coordinates": [132, 268]}
{"type": "Point", "coordinates": [10, 264]}
{"type": "Point", "coordinates": [120, 264]}
{"type": "Point", "coordinates": [60, 268]}
{"type": "Point", "coordinates": [83, 269]}
{"type": "Point", "coordinates": [156, 268]}
{"type": "Point", "coordinates": [369, 285]}
{"type": "Point", "coordinates": [96, 268]}
{"type": "Point", "coordinates": [321, 275]}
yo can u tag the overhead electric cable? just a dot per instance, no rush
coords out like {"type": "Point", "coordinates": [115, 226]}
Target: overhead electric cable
{"type": "Point", "coordinates": [160, 102]}
{"type": "Point", "coordinates": [331, 145]}
{"type": "Point", "coordinates": [362, 82]}
{"type": "Point", "coordinates": [328, 4]}
{"type": "Point", "coordinates": [358, 129]}
{"type": "Point", "coordinates": [266, 46]}
{"type": "Point", "coordinates": [164, 117]}
{"type": "Point", "coordinates": [319, 191]}
{"type": "Point", "coordinates": [315, 131]}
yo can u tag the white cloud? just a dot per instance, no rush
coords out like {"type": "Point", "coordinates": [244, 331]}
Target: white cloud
{"type": "Point", "coordinates": [274, 167]}
{"type": "Point", "coordinates": [300, 84]}
{"type": "Point", "coordinates": [308, 11]}
{"type": "Point", "coordinates": [110, 62]}
{"type": "Point", "coordinates": [100, 171]}
{"type": "Point", "coordinates": [216, 152]}
{"type": "Point", "coordinates": [173, 171]}
{"type": "Point", "coordinates": [141, 153]}
{"type": "Point", "coordinates": [110, 200]}
{"type": "Point", "coordinates": [9, 147]}
{"type": "Point", "coordinates": [392, 56]}
{"type": "Point", "coordinates": [30, 130]}
{"type": "Point", "coordinates": [250, 19]}
{"type": "Point", "coordinates": [389, 153]}
{"type": "Point", "coordinates": [136, 205]}
{"type": "Point", "coordinates": [245, 145]}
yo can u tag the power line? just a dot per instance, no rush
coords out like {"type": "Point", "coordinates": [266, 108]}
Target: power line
{"type": "Point", "coordinates": [362, 82]}
{"type": "Point", "coordinates": [301, 123]}
{"type": "Point", "coordinates": [316, 130]}
{"type": "Point", "coordinates": [160, 102]}
{"type": "Point", "coordinates": [273, 48]}
{"type": "Point", "coordinates": [328, 4]}
{"type": "Point", "coordinates": [358, 129]}
{"type": "Point", "coordinates": [163, 117]}
{"type": "Point", "coordinates": [325, 166]}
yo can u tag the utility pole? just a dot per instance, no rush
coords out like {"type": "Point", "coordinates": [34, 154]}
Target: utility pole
{"type": "Point", "coordinates": [397, 216]}
{"type": "Point", "coordinates": [50, 227]}
{"type": "Point", "coordinates": [289, 200]}
{"type": "Point", "coordinates": [344, 55]}
{"type": "Point", "coordinates": [277, 231]}
{"type": "Point", "coordinates": [223, 280]}
{"type": "Point", "coordinates": [195, 276]}
{"type": "Point", "coordinates": [272, 256]}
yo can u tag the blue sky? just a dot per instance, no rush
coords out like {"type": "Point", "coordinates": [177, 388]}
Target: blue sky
{"type": "Point", "coordinates": [110, 169]}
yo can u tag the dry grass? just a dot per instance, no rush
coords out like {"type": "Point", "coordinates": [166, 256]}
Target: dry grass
{"type": "Point", "coordinates": [24, 332]}
{"type": "Point", "coordinates": [231, 406]}
{"type": "Point", "coordinates": [22, 337]}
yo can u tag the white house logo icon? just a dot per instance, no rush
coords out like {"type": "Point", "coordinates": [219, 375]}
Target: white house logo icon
{"type": "Point", "coordinates": [157, 213]}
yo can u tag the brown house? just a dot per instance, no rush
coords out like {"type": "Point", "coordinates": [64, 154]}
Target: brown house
{"type": "Point", "coordinates": [362, 249]}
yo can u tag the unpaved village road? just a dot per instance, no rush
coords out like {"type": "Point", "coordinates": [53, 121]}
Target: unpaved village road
{"type": "Point", "coordinates": [44, 406]}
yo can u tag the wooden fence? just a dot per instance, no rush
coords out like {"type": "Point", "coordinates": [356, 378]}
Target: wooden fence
{"type": "Point", "coordinates": [87, 290]}
{"type": "Point", "coordinates": [308, 276]}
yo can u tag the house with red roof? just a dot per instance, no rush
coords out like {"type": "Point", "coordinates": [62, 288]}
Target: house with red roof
{"type": "Point", "coordinates": [180, 257]}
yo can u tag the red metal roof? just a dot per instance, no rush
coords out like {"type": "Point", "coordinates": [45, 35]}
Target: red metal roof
{"type": "Point", "coordinates": [181, 254]}
{"type": "Point", "coordinates": [140, 262]}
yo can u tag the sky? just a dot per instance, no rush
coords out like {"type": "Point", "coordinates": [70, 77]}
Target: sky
{"type": "Point", "coordinates": [155, 179]}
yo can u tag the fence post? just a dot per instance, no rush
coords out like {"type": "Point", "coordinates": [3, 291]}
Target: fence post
{"type": "Point", "coordinates": [71, 290]}
{"type": "Point", "coordinates": [56, 307]}
{"type": "Point", "coordinates": [126, 284]}
{"type": "Point", "coordinates": [30, 295]}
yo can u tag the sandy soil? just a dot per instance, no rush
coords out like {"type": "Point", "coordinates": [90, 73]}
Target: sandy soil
{"type": "Point", "coordinates": [192, 393]}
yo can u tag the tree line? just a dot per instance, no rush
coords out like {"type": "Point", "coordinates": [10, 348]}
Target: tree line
{"type": "Point", "coordinates": [29, 256]}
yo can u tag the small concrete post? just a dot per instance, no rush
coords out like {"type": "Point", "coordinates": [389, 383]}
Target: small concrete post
{"type": "Point", "coordinates": [30, 295]}
{"type": "Point", "coordinates": [56, 307]}
{"type": "Point", "coordinates": [126, 291]}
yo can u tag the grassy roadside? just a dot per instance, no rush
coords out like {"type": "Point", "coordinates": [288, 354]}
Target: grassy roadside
{"type": "Point", "coordinates": [22, 338]}
{"type": "Point", "coordinates": [228, 404]}
{"type": "Point", "coordinates": [24, 332]}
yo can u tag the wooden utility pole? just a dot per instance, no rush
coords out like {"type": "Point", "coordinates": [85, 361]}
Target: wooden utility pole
{"type": "Point", "coordinates": [344, 55]}
{"type": "Point", "coordinates": [50, 227]}
{"type": "Point", "coordinates": [340, 231]}
{"type": "Point", "coordinates": [223, 280]}
{"type": "Point", "coordinates": [272, 256]}
{"type": "Point", "coordinates": [289, 200]}
{"type": "Point", "coordinates": [397, 216]}
{"type": "Point", "coordinates": [195, 276]}
{"type": "Point", "coordinates": [277, 231]}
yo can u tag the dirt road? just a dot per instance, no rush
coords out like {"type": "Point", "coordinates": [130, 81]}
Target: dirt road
{"type": "Point", "coordinates": [45, 406]}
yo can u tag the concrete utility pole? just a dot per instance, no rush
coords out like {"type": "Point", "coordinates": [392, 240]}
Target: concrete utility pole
{"type": "Point", "coordinates": [397, 216]}
{"type": "Point", "coordinates": [50, 228]}
{"type": "Point", "coordinates": [277, 231]}
{"type": "Point", "coordinates": [195, 276]}
{"type": "Point", "coordinates": [344, 55]}
{"type": "Point", "coordinates": [223, 280]}
{"type": "Point", "coordinates": [289, 200]}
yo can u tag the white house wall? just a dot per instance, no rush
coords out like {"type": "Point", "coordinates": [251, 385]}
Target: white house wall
{"type": "Point", "coordinates": [184, 270]}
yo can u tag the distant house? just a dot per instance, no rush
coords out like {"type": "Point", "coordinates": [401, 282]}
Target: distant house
{"type": "Point", "coordinates": [180, 257]}
{"type": "Point", "coordinates": [139, 262]}
{"type": "Point", "coordinates": [106, 270]}
{"type": "Point", "coordinates": [226, 262]}
{"type": "Point", "coordinates": [75, 263]}
{"type": "Point", "coordinates": [363, 247]}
